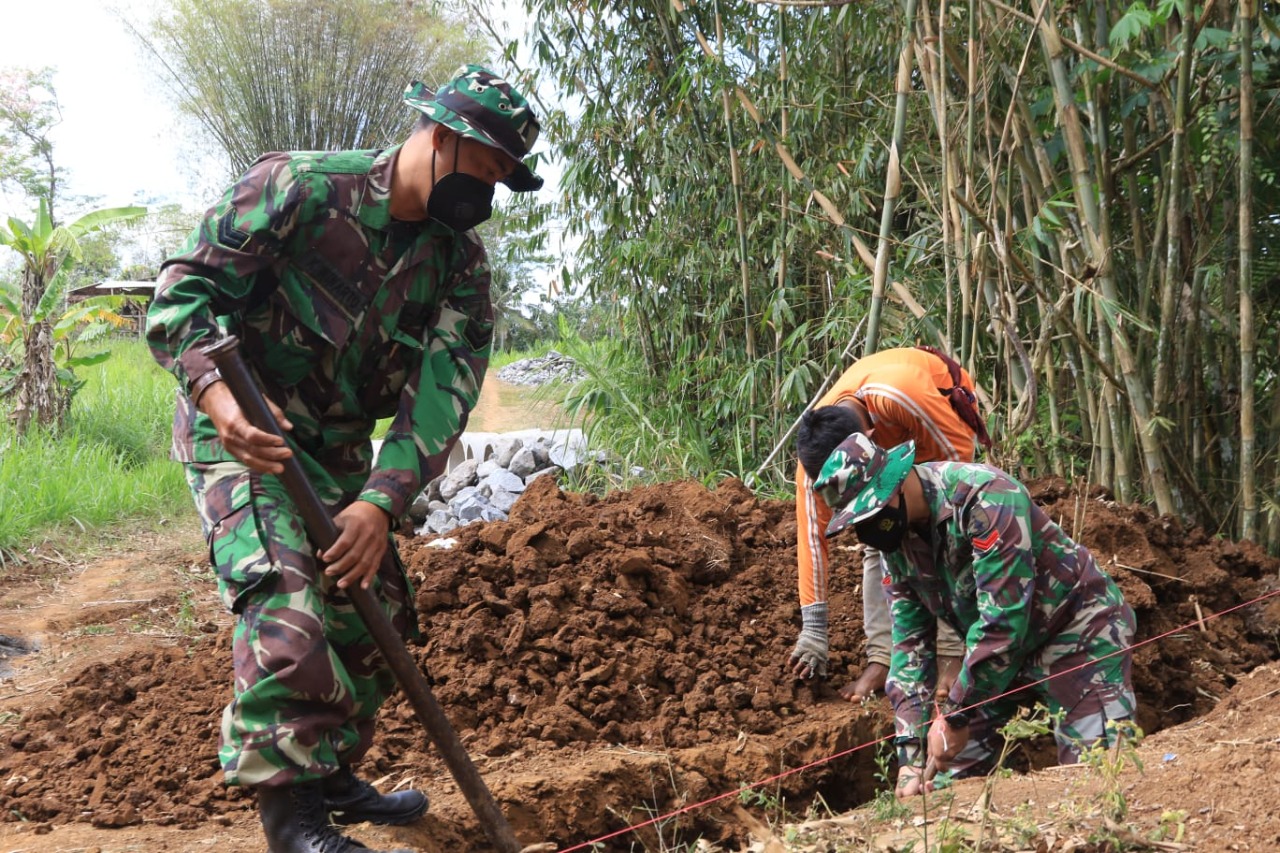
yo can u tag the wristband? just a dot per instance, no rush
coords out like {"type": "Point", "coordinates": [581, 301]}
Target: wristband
{"type": "Point", "coordinates": [202, 384]}
{"type": "Point", "coordinates": [957, 719]}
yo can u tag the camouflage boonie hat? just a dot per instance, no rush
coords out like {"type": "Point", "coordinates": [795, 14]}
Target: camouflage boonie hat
{"type": "Point", "coordinates": [859, 478]}
{"type": "Point", "coordinates": [482, 106]}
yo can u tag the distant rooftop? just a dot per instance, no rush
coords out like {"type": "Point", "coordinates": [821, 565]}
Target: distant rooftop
{"type": "Point", "coordinates": [117, 288]}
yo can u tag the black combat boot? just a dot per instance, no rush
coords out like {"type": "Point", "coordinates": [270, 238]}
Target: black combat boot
{"type": "Point", "coordinates": [349, 799]}
{"type": "Point", "coordinates": [295, 821]}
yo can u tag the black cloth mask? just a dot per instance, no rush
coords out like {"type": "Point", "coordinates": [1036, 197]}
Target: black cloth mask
{"type": "Point", "coordinates": [885, 530]}
{"type": "Point", "coordinates": [459, 200]}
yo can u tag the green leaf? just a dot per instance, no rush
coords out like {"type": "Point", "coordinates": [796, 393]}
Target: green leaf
{"type": "Point", "coordinates": [21, 231]}
{"type": "Point", "coordinates": [1131, 25]}
{"type": "Point", "coordinates": [1213, 37]}
{"type": "Point", "coordinates": [95, 219]}
{"type": "Point", "coordinates": [86, 360]}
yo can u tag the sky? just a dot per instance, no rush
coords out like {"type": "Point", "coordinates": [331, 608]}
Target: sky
{"type": "Point", "coordinates": [120, 139]}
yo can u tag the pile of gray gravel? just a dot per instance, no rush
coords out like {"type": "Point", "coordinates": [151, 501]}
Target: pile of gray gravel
{"type": "Point", "coordinates": [484, 486]}
{"type": "Point", "coordinates": [552, 367]}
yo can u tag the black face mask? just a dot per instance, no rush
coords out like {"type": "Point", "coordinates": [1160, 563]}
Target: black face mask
{"type": "Point", "coordinates": [885, 530]}
{"type": "Point", "coordinates": [459, 200]}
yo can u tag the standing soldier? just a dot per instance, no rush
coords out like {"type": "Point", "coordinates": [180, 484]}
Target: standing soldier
{"type": "Point", "coordinates": [359, 292]}
{"type": "Point", "coordinates": [895, 395]}
{"type": "Point", "coordinates": [964, 543]}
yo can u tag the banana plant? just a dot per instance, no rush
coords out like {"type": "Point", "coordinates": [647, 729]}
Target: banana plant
{"type": "Point", "coordinates": [34, 325]}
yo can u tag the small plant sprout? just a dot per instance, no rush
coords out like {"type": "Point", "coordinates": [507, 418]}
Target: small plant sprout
{"type": "Point", "coordinates": [1024, 725]}
{"type": "Point", "coordinates": [1109, 759]}
{"type": "Point", "coordinates": [1173, 826]}
{"type": "Point", "coordinates": [186, 618]}
{"type": "Point", "coordinates": [886, 806]}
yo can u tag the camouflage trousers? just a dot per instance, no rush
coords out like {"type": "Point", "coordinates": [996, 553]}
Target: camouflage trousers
{"type": "Point", "coordinates": [308, 677]}
{"type": "Point", "coordinates": [1084, 675]}
{"type": "Point", "coordinates": [877, 620]}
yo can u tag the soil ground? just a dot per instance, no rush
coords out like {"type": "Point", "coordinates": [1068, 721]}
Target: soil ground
{"type": "Point", "coordinates": [609, 661]}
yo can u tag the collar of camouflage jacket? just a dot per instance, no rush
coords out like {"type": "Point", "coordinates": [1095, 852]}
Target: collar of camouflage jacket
{"type": "Point", "coordinates": [375, 205]}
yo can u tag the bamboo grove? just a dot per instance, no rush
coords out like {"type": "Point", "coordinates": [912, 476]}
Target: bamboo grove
{"type": "Point", "coordinates": [1074, 198]}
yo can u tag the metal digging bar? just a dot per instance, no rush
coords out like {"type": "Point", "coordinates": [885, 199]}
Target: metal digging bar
{"type": "Point", "coordinates": [323, 532]}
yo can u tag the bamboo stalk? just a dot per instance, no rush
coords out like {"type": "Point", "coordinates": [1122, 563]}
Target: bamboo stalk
{"type": "Point", "coordinates": [966, 245]}
{"type": "Point", "coordinates": [892, 180]}
{"type": "Point", "coordinates": [1139, 397]}
{"type": "Point", "coordinates": [784, 203]}
{"type": "Point", "coordinates": [735, 172]}
{"type": "Point", "coordinates": [1118, 473]}
{"type": "Point", "coordinates": [1172, 278]}
{"type": "Point", "coordinates": [1248, 451]}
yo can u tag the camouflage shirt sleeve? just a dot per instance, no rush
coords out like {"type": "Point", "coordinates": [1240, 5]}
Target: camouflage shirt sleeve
{"type": "Point", "coordinates": [913, 664]}
{"type": "Point", "coordinates": [216, 269]}
{"type": "Point", "coordinates": [997, 525]}
{"type": "Point", "coordinates": [440, 394]}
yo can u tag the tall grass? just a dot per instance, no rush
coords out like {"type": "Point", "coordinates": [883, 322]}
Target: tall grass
{"type": "Point", "coordinates": [109, 465]}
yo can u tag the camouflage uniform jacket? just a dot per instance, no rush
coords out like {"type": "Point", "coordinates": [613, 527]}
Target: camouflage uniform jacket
{"type": "Point", "coordinates": [345, 316]}
{"type": "Point", "coordinates": [998, 570]}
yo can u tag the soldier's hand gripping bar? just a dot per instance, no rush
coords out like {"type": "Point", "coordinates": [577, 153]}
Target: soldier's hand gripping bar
{"type": "Point", "coordinates": [323, 533]}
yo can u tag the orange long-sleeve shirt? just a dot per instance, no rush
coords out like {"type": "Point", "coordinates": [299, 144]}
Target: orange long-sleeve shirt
{"type": "Point", "coordinates": [902, 390]}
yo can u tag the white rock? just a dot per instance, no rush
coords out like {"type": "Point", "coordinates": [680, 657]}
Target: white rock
{"type": "Point", "coordinates": [459, 478]}
{"type": "Point", "coordinates": [503, 501]}
{"type": "Point", "coordinates": [501, 480]}
{"type": "Point", "coordinates": [542, 452]}
{"type": "Point", "coordinates": [523, 463]}
{"type": "Point", "coordinates": [554, 470]}
{"type": "Point", "coordinates": [467, 495]}
{"type": "Point", "coordinates": [564, 456]}
{"type": "Point", "coordinates": [441, 521]}
{"type": "Point", "coordinates": [504, 449]}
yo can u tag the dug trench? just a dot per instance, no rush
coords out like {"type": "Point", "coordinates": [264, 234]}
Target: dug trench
{"type": "Point", "coordinates": [611, 660]}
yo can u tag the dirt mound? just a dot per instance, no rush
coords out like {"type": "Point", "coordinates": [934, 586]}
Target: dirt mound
{"type": "Point", "coordinates": [609, 659]}
{"type": "Point", "coordinates": [648, 619]}
{"type": "Point", "coordinates": [1176, 577]}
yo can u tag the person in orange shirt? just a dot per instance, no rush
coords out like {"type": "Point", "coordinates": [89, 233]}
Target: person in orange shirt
{"type": "Point", "coordinates": [911, 393]}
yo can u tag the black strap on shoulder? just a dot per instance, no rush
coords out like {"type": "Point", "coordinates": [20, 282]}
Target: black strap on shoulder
{"type": "Point", "coordinates": [962, 400]}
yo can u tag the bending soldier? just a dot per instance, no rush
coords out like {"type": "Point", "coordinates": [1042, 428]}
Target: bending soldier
{"type": "Point", "coordinates": [965, 544]}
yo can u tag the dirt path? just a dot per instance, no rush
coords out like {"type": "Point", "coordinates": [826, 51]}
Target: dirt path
{"type": "Point", "coordinates": [504, 407]}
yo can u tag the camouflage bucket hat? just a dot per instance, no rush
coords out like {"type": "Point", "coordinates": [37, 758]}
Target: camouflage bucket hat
{"type": "Point", "coordinates": [482, 106]}
{"type": "Point", "coordinates": [859, 478]}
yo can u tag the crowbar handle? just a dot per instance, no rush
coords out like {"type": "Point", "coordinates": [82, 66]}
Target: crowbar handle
{"type": "Point", "coordinates": [225, 354]}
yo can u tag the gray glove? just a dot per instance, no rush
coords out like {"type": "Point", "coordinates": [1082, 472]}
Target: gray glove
{"type": "Point", "coordinates": [809, 657]}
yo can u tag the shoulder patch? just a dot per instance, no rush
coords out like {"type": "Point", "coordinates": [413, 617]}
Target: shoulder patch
{"type": "Point", "coordinates": [228, 234]}
{"type": "Point", "coordinates": [987, 541]}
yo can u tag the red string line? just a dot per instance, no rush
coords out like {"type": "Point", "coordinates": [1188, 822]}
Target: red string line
{"type": "Point", "coordinates": [812, 764]}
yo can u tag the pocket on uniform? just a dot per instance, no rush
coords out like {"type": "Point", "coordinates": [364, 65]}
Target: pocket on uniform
{"type": "Point", "coordinates": [397, 592]}
{"type": "Point", "coordinates": [238, 546]}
